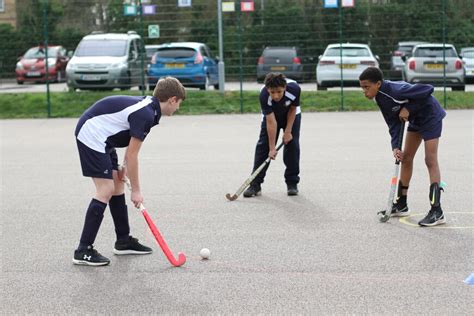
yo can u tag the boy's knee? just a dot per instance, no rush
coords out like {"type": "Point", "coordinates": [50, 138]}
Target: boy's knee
{"type": "Point", "coordinates": [105, 193]}
{"type": "Point", "coordinates": [408, 159]}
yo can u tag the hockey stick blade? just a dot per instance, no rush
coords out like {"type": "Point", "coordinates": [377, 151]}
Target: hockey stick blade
{"type": "Point", "coordinates": [231, 197]}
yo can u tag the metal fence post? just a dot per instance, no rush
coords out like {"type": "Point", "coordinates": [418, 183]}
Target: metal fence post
{"type": "Point", "coordinates": [45, 44]}
{"type": "Point", "coordinates": [142, 51]}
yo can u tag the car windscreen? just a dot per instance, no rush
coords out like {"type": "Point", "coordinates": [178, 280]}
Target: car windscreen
{"type": "Point", "coordinates": [102, 47]}
{"type": "Point", "coordinates": [39, 52]}
{"type": "Point", "coordinates": [406, 49]}
{"type": "Point", "coordinates": [434, 52]}
{"type": "Point", "coordinates": [279, 53]}
{"type": "Point", "coordinates": [348, 52]}
{"type": "Point", "coordinates": [468, 54]}
{"type": "Point", "coordinates": [175, 52]}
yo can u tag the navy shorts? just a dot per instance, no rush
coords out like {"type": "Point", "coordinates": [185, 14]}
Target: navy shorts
{"type": "Point", "coordinates": [432, 132]}
{"type": "Point", "coordinates": [96, 164]}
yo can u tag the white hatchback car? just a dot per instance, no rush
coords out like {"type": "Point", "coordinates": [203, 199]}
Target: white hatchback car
{"type": "Point", "coordinates": [429, 64]}
{"type": "Point", "coordinates": [355, 58]}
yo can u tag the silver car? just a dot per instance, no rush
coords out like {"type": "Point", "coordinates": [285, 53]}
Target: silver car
{"type": "Point", "coordinates": [354, 60]}
{"type": "Point", "coordinates": [467, 55]}
{"type": "Point", "coordinates": [428, 65]}
{"type": "Point", "coordinates": [106, 61]}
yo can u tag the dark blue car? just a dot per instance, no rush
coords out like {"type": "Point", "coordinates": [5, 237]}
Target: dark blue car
{"type": "Point", "coordinates": [189, 62]}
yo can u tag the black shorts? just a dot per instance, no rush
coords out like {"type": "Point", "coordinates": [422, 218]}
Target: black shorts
{"type": "Point", "coordinates": [432, 132]}
{"type": "Point", "coordinates": [96, 164]}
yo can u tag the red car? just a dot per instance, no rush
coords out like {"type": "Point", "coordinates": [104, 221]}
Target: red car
{"type": "Point", "coordinates": [32, 65]}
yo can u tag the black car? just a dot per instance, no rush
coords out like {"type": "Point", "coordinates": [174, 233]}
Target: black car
{"type": "Point", "coordinates": [286, 60]}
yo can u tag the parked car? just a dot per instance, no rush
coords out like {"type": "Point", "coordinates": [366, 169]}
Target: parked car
{"type": "Point", "coordinates": [427, 65]}
{"type": "Point", "coordinates": [355, 59]}
{"type": "Point", "coordinates": [32, 65]}
{"type": "Point", "coordinates": [467, 56]}
{"type": "Point", "coordinates": [106, 61]}
{"type": "Point", "coordinates": [286, 60]}
{"type": "Point", "coordinates": [396, 61]}
{"type": "Point", "coordinates": [189, 62]}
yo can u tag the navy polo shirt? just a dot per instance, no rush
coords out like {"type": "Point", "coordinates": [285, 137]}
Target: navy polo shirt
{"type": "Point", "coordinates": [112, 121]}
{"type": "Point", "coordinates": [280, 108]}
{"type": "Point", "coordinates": [425, 110]}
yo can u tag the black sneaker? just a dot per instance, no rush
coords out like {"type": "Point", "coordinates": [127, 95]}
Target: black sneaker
{"type": "Point", "coordinates": [131, 246]}
{"type": "Point", "coordinates": [435, 217]}
{"type": "Point", "coordinates": [253, 190]}
{"type": "Point", "coordinates": [89, 257]}
{"type": "Point", "coordinates": [400, 210]}
{"type": "Point", "coordinates": [292, 189]}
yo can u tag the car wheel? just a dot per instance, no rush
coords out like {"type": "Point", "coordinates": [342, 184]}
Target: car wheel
{"type": "Point", "coordinates": [459, 88]}
{"type": "Point", "coordinates": [206, 84]}
{"type": "Point", "coordinates": [19, 82]}
{"type": "Point", "coordinates": [320, 87]}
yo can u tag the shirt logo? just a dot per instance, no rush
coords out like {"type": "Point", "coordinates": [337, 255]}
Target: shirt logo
{"type": "Point", "coordinates": [395, 108]}
{"type": "Point", "coordinates": [287, 103]}
{"type": "Point", "coordinates": [106, 171]}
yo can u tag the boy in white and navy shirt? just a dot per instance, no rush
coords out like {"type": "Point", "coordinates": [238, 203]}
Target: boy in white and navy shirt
{"type": "Point", "coordinates": [118, 122]}
{"type": "Point", "coordinates": [280, 103]}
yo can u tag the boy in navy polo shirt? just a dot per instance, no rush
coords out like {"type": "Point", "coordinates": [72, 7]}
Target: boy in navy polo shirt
{"type": "Point", "coordinates": [415, 104]}
{"type": "Point", "coordinates": [115, 122]}
{"type": "Point", "coordinates": [280, 103]}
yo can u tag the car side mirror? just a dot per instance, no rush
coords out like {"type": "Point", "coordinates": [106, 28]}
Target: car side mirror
{"type": "Point", "coordinates": [404, 58]}
{"type": "Point", "coordinates": [217, 58]}
{"type": "Point", "coordinates": [377, 57]}
{"type": "Point", "coordinates": [70, 53]}
{"type": "Point", "coordinates": [320, 56]}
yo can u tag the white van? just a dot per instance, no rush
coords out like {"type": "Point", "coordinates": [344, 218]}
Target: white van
{"type": "Point", "coordinates": [106, 61]}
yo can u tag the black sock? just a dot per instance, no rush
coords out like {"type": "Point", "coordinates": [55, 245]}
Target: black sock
{"type": "Point", "coordinates": [94, 216]}
{"type": "Point", "coordinates": [402, 200]}
{"type": "Point", "coordinates": [119, 212]}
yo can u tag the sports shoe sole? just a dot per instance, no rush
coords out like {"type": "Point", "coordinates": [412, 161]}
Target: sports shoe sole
{"type": "Point", "coordinates": [131, 252]}
{"type": "Point", "coordinates": [257, 194]}
{"type": "Point", "coordinates": [88, 263]}
{"type": "Point", "coordinates": [438, 222]}
{"type": "Point", "coordinates": [401, 214]}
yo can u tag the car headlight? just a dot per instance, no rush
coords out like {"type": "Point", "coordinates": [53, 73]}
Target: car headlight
{"type": "Point", "coordinates": [71, 67]}
{"type": "Point", "coordinates": [19, 66]}
{"type": "Point", "coordinates": [119, 65]}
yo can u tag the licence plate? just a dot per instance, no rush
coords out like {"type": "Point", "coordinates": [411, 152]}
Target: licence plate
{"type": "Point", "coordinates": [90, 77]}
{"type": "Point", "coordinates": [348, 66]}
{"type": "Point", "coordinates": [34, 73]}
{"type": "Point", "coordinates": [434, 66]}
{"type": "Point", "coordinates": [278, 68]}
{"type": "Point", "coordinates": [174, 65]}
